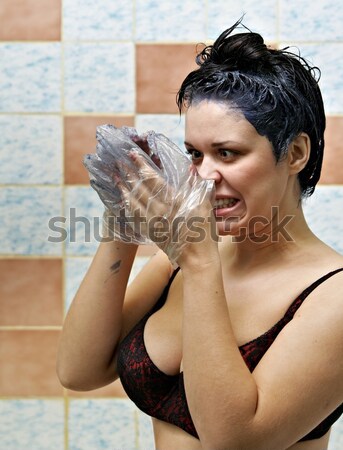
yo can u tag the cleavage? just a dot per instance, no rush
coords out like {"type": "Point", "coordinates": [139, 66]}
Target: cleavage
{"type": "Point", "coordinates": [162, 334]}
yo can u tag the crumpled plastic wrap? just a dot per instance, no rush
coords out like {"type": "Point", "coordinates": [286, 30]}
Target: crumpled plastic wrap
{"type": "Point", "coordinates": [148, 188]}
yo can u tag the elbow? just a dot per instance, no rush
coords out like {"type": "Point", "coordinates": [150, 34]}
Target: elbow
{"type": "Point", "coordinates": [71, 380]}
{"type": "Point", "coordinates": [68, 380]}
{"type": "Point", "coordinates": [74, 383]}
{"type": "Point", "coordinates": [82, 380]}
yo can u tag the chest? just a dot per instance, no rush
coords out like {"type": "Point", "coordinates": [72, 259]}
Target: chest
{"type": "Point", "coordinates": [254, 307]}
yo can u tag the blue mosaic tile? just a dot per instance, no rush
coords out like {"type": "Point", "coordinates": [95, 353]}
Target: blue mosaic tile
{"type": "Point", "coordinates": [170, 20]}
{"type": "Point", "coordinates": [102, 424]}
{"type": "Point", "coordinates": [25, 220]}
{"type": "Point", "coordinates": [31, 149]}
{"type": "Point", "coordinates": [324, 214]}
{"type": "Point", "coordinates": [105, 20]}
{"type": "Point", "coordinates": [30, 77]}
{"type": "Point", "coordinates": [322, 21]}
{"type": "Point", "coordinates": [99, 77]}
{"type": "Point", "coordinates": [32, 424]}
{"type": "Point", "coordinates": [259, 17]}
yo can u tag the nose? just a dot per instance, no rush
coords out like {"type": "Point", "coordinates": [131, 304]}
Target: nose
{"type": "Point", "coordinates": [209, 170]}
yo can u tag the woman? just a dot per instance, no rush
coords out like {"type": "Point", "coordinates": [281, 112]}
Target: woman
{"type": "Point", "coordinates": [240, 347]}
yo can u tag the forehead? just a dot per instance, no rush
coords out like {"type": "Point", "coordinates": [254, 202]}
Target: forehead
{"type": "Point", "coordinates": [209, 120]}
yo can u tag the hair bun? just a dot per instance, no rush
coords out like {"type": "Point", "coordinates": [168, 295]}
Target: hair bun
{"type": "Point", "coordinates": [243, 51]}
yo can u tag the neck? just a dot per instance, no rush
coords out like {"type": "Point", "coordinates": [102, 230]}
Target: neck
{"type": "Point", "coordinates": [280, 238]}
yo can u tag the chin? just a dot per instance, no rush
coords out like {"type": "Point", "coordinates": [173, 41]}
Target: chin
{"type": "Point", "coordinates": [231, 227]}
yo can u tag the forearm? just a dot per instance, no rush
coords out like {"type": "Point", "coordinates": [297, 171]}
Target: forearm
{"type": "Point", "coordinates": [93, 324]}
{"type": "Point", "coordinates": [221, 392]}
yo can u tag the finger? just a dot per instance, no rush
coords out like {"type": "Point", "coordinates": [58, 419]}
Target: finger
{"type": "Point", "coordinates": [144, 164]}
{"type": "Point", "coordinates": [143, 143]}
{"type": "Point", "coordinates": [149, 174]}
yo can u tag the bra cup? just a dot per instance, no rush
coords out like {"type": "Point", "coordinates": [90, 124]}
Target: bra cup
{"type": "Point", "coordinates": [163, 396]}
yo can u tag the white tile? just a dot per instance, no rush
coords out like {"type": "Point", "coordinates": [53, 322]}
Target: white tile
{"type": "Point", "coordinates": [170, 20]}
{"type": "Point", "coordinates": [32, 424]}
{"type": "Point", "coordinates": [26, 215]}
{"type": "Point", "coordinates": [103, 424]}
{"type": "Point", "coordinates": [328, 57]}
{"type": "Point", "coordinates": [31, 149]}
{"type": "Point", "coordinates": [259, 17]}
{"type": "Point", "coordinates": [324, 213]}
{"type": "Point", "coordinates": [336, 436]}
{"type": "Point", "coordinates": [105, 20]}
{"type": "Point", "coordinates": [321, 22]}
{"type": "Point", "coordinates": [145, 432]}
{"type": "Point", "coordinates": [99, 77]}
{"type": "Point", "coordinates": [30, 77]}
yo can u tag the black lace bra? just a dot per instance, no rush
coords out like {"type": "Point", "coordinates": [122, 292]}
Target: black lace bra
{"type": "Point", "coordinates": [163, 396]}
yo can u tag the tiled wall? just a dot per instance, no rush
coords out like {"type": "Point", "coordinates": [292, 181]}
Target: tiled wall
{"type": "Point", "coordinates": [66, 66]}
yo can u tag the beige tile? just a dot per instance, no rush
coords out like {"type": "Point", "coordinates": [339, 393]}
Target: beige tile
{"type": "Point", "coordinates": [160, 72]}
{"type": "Point", "coordinates": [30, 20]}
{"type": "Point", "coordinates": [79, 139]}
{"type": "Point", "coordinates": [332, 170]}
{"type": "Point", "coordinates": [31, 292]}
{"type": "Point", "coordinates": [28, 363]}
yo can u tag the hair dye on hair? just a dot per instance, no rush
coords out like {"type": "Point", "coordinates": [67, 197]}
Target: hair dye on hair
{"type": "Point", "coordinates": [276, 90]}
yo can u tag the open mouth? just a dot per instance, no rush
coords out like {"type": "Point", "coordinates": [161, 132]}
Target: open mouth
{"type": "Point", "coordinates": [223, 203]}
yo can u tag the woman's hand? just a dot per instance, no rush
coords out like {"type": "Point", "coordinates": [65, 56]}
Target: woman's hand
{"type": "Point", "coordinates": [147, 184]}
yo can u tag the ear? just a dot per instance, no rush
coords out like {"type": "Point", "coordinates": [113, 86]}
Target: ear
{"type": "Point", "coordinates": [298, 153]}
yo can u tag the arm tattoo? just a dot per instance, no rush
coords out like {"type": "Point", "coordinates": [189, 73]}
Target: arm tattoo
{"type": "Point", "coordinates": [116, 266]}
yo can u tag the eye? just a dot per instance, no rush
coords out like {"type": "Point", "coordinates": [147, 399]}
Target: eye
{"type": "Point", "coordinates": [195, 154]}
{"type": "Point", "coordinates": [227, 154]}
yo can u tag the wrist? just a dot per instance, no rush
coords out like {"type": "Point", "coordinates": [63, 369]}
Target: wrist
{"type": "Point", "coordinates": [195, 259]}
{"type": "Point", "coordinates": [118, 245]}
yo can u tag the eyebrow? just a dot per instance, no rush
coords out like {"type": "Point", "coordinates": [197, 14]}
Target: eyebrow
{"type": "Point", "coordinates": [216, 144]}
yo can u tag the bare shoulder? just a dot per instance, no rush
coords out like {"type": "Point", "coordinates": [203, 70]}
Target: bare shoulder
{"type": "Point", "coordinates": [330, 285]}
{"type": "Point", "coordinates": [326, 300]}
{"type": "Point", "coordinates": [322, 309]}
{"type": "Point", "coordinates": [301, 375]}
{"type": "Point", "coordinates": [144, 291]}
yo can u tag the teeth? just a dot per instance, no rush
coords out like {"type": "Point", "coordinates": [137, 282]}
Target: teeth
{"type": "Point", "coordinates": [224, 202]}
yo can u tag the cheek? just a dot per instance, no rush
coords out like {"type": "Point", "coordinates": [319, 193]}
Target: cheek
{"type": "Point", "coordinates": [248, 179]}
{"type": "Point", "coordinates": [261, 184]}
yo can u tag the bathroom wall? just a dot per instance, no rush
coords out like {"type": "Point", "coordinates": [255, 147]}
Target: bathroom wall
{"type": "Point", "coordinates": [65, 67]}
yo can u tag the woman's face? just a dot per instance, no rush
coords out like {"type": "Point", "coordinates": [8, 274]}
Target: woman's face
{"type": "Point", "coordinates": [225, 147]}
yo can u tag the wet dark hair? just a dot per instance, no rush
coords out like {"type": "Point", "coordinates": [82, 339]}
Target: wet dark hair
{"type": "Point", "coordinates": [276, 91]}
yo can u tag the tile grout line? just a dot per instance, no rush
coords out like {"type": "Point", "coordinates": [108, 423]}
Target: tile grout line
{"type": "Point", "coordinates": [66, 418]}
{"type": "Point", "coordinates": [63, 202]}
{"type": "Point", "coordinates": [136, 425]}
